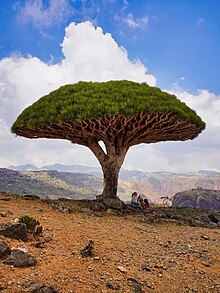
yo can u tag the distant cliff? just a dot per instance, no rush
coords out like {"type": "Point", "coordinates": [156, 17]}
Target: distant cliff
{"type": "Point", "coordinates": [198, 198]}
{"type": "Point", "coordinates": [86, 182]}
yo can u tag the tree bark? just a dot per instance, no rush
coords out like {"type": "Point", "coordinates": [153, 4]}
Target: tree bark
{"type": "Point", "coordinates": [111, 162]}
{"type": "Point", "coordinates": [110, 180]}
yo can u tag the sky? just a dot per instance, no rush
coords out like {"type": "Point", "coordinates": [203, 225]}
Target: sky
{"type": "Point", "coordinates": [171, 44]}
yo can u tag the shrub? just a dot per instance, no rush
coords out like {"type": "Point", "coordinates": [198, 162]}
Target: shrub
{"type": "Point", "coordinates": [32, 225]}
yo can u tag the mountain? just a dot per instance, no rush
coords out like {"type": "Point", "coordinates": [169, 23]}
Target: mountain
{"type": "Point", "coordinates": [52, 183]}
{"type": "Point", "coordinates": [198, 198]}
{"type": "Point", "coordinates": [58, 167]}
{"type": "Point", "coordinates": [207, 172]}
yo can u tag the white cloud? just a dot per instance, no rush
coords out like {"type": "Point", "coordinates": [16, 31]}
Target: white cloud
{"type": "Point", "coordinates": [132, 22]}
{"type": "Point", "coordinates": [96, 56]}
{"type": "Point", "coordinates": [205, 103]}
{"type": "Point", "coordinates": [203, 152]}
{"type": "Point", "coordinates": [89, 55]}
{"type": "Point", "coordinates": [35, 12]}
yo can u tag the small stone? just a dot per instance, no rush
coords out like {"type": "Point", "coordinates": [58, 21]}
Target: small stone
{"type": "Point", "coordinates": [207, 263]}
{"type": "Point", "coordinates": [39, 244]}
{"type": "Point", "coordinates": [48, 239]}
{"type": "Point", "coordinates": [146, 268]}
{"type": "Point", "coordinates": [88, 249]}
{"type": "Point", "coordinates": [3, 214]}
{"type": "Point", "coordinates": [205, 237]}
{"type": "Point", "coordinates": [122, 269]}
{"type": "Point", "coordinates": [150, 286]}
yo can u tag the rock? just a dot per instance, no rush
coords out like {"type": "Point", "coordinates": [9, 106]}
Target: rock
{"type": "Point", "coordinates": [146, 268]}
{"type": "Point", "coordinates": [136, 285]}
{"type": "Point", "coordinates": [213, 219]}
{"type": "Point", "coordinates": [205, 237]}
{"type": "Point", "coordinates": [30, 197]}
{"type": "Point", "coordinates": [3, 214]}
{"type": "Point", "coordinates": [38, 287]}
{"type": "Point", "coordinates": [4, 250]}
{"type": "Point", "coordinates": [20, 259]}
{"type": "Point", "coordinates": [39, 244]}
{"type": "Point", "coordinates": [15, 231]}
{"type": "Point", "coordinates": [31, 283]}
{"type": "Point", "coordinates": [88, 249]}
{"type": "Point", "coordinates": [98, 206]}
{"type": "Point", "coordinates": [198, 198]}
{"type": "Point", "coordinates": [48, 239]}
{"type": "Point", "coordinates": [44, 289]}
{"type": "Point", "coordinates": [122, 269]}
{"type": "Point", "coordinates": [111, 203]}
{"type": "Point", "coordinates": [110, 286]}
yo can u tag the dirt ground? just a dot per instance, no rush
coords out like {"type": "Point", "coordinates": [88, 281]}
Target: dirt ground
{"type": "Point", "coordinates": [130, 255]}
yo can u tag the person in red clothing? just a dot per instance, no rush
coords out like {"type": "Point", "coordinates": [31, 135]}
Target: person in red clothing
{"type": "Point", "coordinates": [146, 206]}
{"type": "Point", "coordinates": [140, 202]}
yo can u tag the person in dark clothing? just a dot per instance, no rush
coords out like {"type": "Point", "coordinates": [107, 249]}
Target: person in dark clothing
{"type": "Point", "coordinates": [146, 206]}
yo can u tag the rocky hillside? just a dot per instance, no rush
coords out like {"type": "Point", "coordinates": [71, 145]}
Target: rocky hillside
{"type": "Point", "coordinates": [81, 185]}
{"type": "Point", "coordinates": [50, 183]}
{"type": "Point", "coordinates": [198, 198]}
{"type": "Point", "coordinates": [82, 250]}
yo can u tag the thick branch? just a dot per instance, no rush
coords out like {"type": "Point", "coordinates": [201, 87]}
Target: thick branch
{"type": "Point", "coordinates": [118, 132]}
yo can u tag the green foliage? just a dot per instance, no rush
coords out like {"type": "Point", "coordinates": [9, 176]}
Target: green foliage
{"type": "Point", "coordinates": [32, 225]}
{"type": "Point", "coordinates": [86, 100]}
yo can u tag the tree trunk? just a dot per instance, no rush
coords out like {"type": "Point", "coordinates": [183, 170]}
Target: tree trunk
{"type": "Point", "coordinates": [111, 161]}
{"type": "Point", "coordinates": [110, 173]}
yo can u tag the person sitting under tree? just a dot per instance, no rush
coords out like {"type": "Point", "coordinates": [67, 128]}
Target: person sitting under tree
{"type": "Point", "coordinates": [140, 201]}
{"type": "Point", "coordinates": [146, 206]}
{"type": "Point", "coordinates": [134, 197]}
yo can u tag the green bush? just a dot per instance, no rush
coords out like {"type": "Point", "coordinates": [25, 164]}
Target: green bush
{"type": "Point", "coordinates": [32, 225]}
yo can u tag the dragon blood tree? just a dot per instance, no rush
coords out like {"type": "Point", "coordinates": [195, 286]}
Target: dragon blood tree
{"type": "Point", "coordinates": [121, 114]}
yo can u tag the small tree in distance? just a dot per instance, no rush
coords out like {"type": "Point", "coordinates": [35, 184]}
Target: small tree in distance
{"type": "Point", "coordinates": [121, 114]}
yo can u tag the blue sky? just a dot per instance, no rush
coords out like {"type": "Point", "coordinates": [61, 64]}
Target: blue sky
{"type": "Point", "coordinates": [180, 39]}
{"type": "Point", "coordinates": [171, 44]}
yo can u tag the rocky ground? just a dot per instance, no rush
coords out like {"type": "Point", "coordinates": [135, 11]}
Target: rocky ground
{"type": "Point", "coordinates": [132, 251]}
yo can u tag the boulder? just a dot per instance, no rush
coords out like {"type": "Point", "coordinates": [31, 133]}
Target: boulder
{"type": "Point", "coordinates": [20, 259]}
{"type": "Point", "coordinates": [4, 249]}
{"type": "Point", "coordinates": [198, 198]}
{"type": "Point", "coordinates": [15, 231]}
{"type": "Point", "coordinates": [111, 203]}
{"type": "Point", "coordinates": [38, 287]}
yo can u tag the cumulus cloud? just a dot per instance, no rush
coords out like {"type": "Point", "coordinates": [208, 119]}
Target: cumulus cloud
{"type": "Point", "coordinates": [203, 152]}
{"type": "Point", "coordinates": [89, 55]}
{"type": "Point", "coordinates": [206, 104]}
{"type": "Point", "coordinates": [35, 12]}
